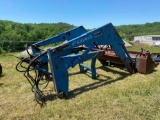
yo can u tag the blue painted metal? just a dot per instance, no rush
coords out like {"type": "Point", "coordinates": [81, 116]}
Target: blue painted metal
{"type": "Point", "coordinates": [156, 57]}
{"type": "Point", "coordinates": [61, 60]}
{"type": "Point", "coordinates": [61, 57]}
{"type": "Point", "coordinates": [63, 37]}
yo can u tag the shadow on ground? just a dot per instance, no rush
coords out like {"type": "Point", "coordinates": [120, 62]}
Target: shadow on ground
{"type": "Point", "coordinates": [98, 83]}
{"type": "Point", "coordinates": [49, 95]}
{"type": "Point", "coordinates": [1, 75]}
{"type": "Point", "coordinates": [1, 84]}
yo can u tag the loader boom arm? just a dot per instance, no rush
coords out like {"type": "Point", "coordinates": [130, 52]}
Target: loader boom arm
{"type": "Point", "coordinates": [78, 47]}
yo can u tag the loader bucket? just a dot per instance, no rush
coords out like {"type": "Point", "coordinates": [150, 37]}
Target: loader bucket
{"type": "Point", "coordinates": [142, 61]}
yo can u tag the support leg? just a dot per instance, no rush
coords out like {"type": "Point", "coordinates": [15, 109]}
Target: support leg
{"type": "Point", "coordinates": [81, 68]}
{"type": "Point", "coordinates": [93, 69]}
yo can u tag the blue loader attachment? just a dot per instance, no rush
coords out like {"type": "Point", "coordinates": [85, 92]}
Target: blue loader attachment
{"type": "Point", "coordinates": [78, 46]}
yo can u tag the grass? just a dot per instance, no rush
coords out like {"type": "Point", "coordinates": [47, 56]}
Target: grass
{"type": "Point", "coordinates": [138, 46]}
{"type": "Point", "coordinates": [115, 94]}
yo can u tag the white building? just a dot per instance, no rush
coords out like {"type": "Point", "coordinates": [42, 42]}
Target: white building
{"type": "Point", "coordinates": [148, 39]}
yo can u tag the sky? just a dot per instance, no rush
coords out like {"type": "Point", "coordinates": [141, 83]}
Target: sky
{"type": "Point", "coordinates": [89, 13]}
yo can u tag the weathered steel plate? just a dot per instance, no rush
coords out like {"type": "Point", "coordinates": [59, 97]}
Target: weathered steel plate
{"type": "Point", "coordinates": [142, 60]}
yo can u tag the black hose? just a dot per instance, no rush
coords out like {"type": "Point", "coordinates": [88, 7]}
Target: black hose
{"type": "Point", "coordinates": [34, 82]}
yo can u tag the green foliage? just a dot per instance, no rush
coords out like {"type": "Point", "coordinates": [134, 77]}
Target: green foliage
{"type": "Point", "coordinates": [1, 51]}
{"type": "Point", "coordinates": [25, 33]}
{"type": "Point", "coordinates": [129, 31]}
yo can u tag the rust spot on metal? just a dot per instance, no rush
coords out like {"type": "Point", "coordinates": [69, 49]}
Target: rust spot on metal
{"type": "Point", "coordinates": [60, 48]}
{"type": "Point", "coordinates": [144, 63]}
{"type": "Point", "coordinates": [98, 33]}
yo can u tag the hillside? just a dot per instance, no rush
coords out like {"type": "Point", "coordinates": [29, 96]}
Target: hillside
{"type": "Point", "coordinates": [129, 31]}
{"type": "Point", "coordinates": [13, 31]}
